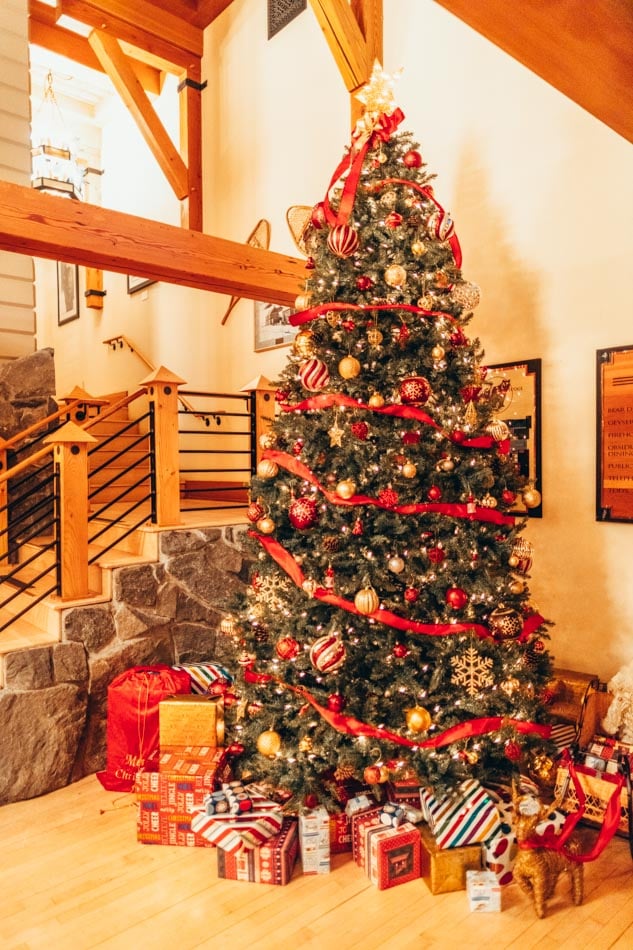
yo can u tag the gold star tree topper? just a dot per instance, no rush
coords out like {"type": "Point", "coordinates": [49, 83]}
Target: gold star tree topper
{"type": "Point", "coordinates": [377, 94]}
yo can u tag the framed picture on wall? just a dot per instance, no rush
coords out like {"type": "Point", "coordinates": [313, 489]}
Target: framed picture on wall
{"type": "Point", "coordinates": [67, 292]}
{"type": "Point", "coordinates": [614, 434]}
{"type": "Point", "coordinates": [272, 326]}
{"type": "Point", "coordinates": [135, 284]}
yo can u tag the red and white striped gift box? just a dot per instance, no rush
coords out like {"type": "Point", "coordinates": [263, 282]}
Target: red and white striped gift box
{"type": "Point", "coordinates": [235, 833]}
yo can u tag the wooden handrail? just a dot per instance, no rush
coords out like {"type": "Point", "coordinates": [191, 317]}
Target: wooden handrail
{"type": "Point", "coordinates": [40, 424]}
{"type": "Point", "coordinates": [122, 340]}
{"type": "Point", "coordinates": [25, 463]}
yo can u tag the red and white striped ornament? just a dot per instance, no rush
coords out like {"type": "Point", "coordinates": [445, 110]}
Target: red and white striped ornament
{"type": "Point", "coordinates": [327, 653]}
{"type": "Point", "coordinates": [314, 375]}
{"type": "Point", "coordinates": [342, 240]}
{"type": "Point", "coordinates": [440, 225]}
{"type": "Point", "coordinates": [254, 512]}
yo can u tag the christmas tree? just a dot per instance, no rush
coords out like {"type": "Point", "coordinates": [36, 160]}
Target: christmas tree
{"type": "Point", "coordinates": [388, 628]}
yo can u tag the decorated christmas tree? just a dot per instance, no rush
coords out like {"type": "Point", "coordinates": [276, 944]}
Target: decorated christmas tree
{"type": "Point", "coordinates": [388, 629]}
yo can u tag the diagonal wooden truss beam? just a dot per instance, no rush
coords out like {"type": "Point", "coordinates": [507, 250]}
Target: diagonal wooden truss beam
{"type": "Point", "coordinates": [117, 66]}
{"type": "Point", "coordinates": [345, 39]}
{"type": "Point", "coordinates": [46, 226]}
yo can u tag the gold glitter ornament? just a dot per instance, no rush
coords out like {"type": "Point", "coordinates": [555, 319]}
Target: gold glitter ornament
{"type": "Point", "coordinates": [349, 367]}
{"type": "Point", "coordinates": [388, 199]}
{"type": "Point", "coordinates": [265, 525]}
{"type": "Point", "coordinates": [409, 470]}
{"type": "Point", "coordinates": [426, 302]}
{"type": "Point", "coordinates": [395, 275]}
{"type": "Point", "coordinates": [305, 744]}
{"type": "Point", "coordinates": [376, 401]}
{"type": "Point", "coordinates": [374, 336]}
{"type": "Point", "coordinates": [418, 719]}
{"type": "Point", "coordinates": [531, 497]}
{"type": "Point", "coordinates": [346, 488]}
{"type": "Point", "coordinates": [267, 468]}
{"type": "Point", "coordinates": [267, 440]}
{"type": "Point", "coordinates": [303, 344]}
{"type": "Point", "coordinates": [419, 248]}
{"type": "Point", "coordinates": [269, 743]}
{"type": "Point", "coordinates": [438, 353]}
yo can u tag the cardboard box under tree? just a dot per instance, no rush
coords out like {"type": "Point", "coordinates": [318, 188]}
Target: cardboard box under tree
{"type": "Point", "coordinates": [444, 869]}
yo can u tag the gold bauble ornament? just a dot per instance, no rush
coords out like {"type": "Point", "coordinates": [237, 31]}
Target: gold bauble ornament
{"type": "Point", "coordinates": [265, 525]}
{"type": "Point", "coordinates": [446, 465]}
{"type": "Point", "coordinates": [346, 488]}
{"type": "Point", "coordinates": [510, 685]}
{"type": "Point", "coordinates": [489, 501]}
{"type": "Point", "coordinates": [267, 468]}
{"type": "Point", "coordinates": [267, 440]}
{"type": "Point", "coordinates": [303, 301]}
{"type": "Point", "coordinates": [418, 248]}
{"type": "Point", "coordinates": [498, 430]}
{"type": "Point", "coordinates": [438, 353]}
{"type": "Point", "coordinates": [395, 275]}
{"type": "Point", "coordinates": [409, 470]}
{"type": "Point", "coordinates": [333, 318]}
{"type": "Point", "coordinates": [303, 344]}
{"type": "Point", "coordinates": [472, 757]}
{"type": "Point", "coordinates": [305, 744]}
{"type": "Point", "coordinates": [376, 401]}
{"type": "Point", "coordinates": [516, 586]}
{"type": "Point", "coordinates": [418, 719]}
{"type": "Point", "coordinates": [349, 367]}
{"type": "Point", "coordinates": [366, 601]}
{"type": "Point", "coordinates": [228, 626]}
{"type": "Point", "coordinates": [426, 302]}
{"type": "Point", "coordinates": [269, 743]}
{"type": "Point", "coordinates": [374, 336]}
{"type": "Point", "coordinates": [531, 497]}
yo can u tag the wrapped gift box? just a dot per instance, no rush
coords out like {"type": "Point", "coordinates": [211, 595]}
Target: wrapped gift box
{"type": "Point", "coordinates": [360, 823]}
{"type": "Point", "coordinates": [484, 892]}
{"type": "Point", "coordinates": [340, 833]}
{"type": "Point", "coordinates": [404, 792]}
{"type": "Point", "coordinates": [394, 855]}
{"type": "Point", "coordinates": [156, 824]}
{"type": "Point", "coordinates": [182, 782]}
{"type": "Point", "coordinates": [466, 817]}
{"type": "Point", "coordinates": [444, 869]}
{"type": "Point", "coordinates": [271, 863]}
{"type": "Point", "coordinates": [190, 720]}
{"type": "Point", "coordinates": [314, 841]}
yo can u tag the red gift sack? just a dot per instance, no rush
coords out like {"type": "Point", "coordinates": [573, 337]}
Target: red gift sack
{"type": "Point", "coordinates": [132, 727]}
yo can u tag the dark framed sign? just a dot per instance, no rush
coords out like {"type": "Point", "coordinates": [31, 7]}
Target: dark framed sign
{"type": "Point", "coordinates": [67, 292]}
{"type": "Point", "coordinates": [614, 434]}
{"type": "Point", "coordinates": [514, 389]}
{"type": "Point", "coordinates": [135, 284]}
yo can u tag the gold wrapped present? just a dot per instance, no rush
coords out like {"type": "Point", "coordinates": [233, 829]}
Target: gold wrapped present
{"type": "Point", "coordinates": [190, 720]}
{"type": "Point", "coordinates": [444, 869]}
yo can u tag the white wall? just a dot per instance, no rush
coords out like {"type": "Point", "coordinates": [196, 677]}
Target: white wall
{"type": "Point", "coordinates": [542, 196]}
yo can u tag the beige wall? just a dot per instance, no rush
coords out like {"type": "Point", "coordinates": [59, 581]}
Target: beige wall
{"type": "Point", "coordinates": [542, 196]}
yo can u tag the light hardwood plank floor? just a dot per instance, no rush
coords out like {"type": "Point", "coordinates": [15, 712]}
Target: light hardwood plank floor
{"type": "Point", "coordinates": [73, 877]}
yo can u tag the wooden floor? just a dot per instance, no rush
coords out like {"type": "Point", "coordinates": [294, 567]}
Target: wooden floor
{"type": "Point", "coordinates": [73, 877]}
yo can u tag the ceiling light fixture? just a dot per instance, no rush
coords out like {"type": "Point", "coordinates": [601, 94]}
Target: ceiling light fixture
{"type": "Point", "coordinates": [54, 168]}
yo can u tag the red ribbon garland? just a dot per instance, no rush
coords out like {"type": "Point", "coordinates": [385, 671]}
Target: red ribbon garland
{"type": "Point", "coordinates": [288, 564]}
{"type": "Point", "coordinates": [610, 822]}
{"type": "Point", "coordinates": [355, 727]}
{"type": "Point", "coordinates": [386, 125]}
{"type": "Point", "coordinates": [305, 316]}
{"type": "Point", "coordinates": [453, 240]}
{"type": "Point", "coordinates": [293, 465]}
{"type": "Point", "coordinates": [327, 400]}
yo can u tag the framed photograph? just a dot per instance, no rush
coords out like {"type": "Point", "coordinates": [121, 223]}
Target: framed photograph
{"type": "Point", "coordinates": [135, 284]}
{"type": "Point", "coordinates": [67, 292]}
{"type": "Point", "coordinates": [514, 390]}
{"type": "Point", "coordinates": [272, 327]}
{"type": "Point", "coordinates": [614, 434]}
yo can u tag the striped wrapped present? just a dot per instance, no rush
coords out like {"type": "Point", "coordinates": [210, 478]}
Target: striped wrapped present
{"type": "Point", "coordinates": [466, 817]}
{"type": "Point", "coordinates": [204, 675]}
{"type": "Point", "coordinates": [240, 832]}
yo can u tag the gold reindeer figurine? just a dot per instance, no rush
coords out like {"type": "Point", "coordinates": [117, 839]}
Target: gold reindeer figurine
{"type": "Point", "coordinates": [537, 869]}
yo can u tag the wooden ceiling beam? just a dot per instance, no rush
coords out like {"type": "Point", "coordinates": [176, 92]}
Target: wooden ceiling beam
{"type": "Point", "coordinates": [585, 50]}
{"type": "Point", "coordinates": [208, 10]}
{"type": "Point", "coordinates": [45, 32]}
{"type": "Point", "coordinates": [117, 66]}
{"type": "Point", "coordinates": [46, 226]}
{"type": "Point", "coordinates": [345, 39]}
{"type": "Point", "coordinates": [141, 25]}
{"type": "Point", "coordinates": [369, 16]}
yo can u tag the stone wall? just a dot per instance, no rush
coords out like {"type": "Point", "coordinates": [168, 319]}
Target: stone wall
{"type": "Point", "coordinates": [53, 706]}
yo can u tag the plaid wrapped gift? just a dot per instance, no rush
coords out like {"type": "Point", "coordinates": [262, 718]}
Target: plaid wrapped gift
{"type": "Point", "coordinates": [241, 832]}
{"type": "Point", "coordinates": [468, 816]}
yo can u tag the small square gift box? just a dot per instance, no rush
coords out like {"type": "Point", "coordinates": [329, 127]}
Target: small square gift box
{"type": "Point", "coordinates": [393, 855]}
{"type": "Point", "coordinates": [240, 830]}
{"type": "Point", "coordinates": [484, 891]}
{"type": "Point", "coordinates": [468, 816]}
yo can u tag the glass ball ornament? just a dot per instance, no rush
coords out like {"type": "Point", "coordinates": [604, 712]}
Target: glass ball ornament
{"type": "Point", "coordinates": [265, 525]}
{"type": "Point", "coordinates": [303, 301]}
{"type": "Point", "coordinates": [342, 240]}
{"type": "Point", "coordinates": [409, 470]}
{"type": "Point", "coordinates": [438, 353]}
{"type": "Point", "coordinates": [376, 401]}
{"type": "Point", "coordinates": [395, 564]}
{"type": "Point", "coordinates": [415, 390]}
{"type": "Point", "coordinates": [418, 719]}
{"type": "Point", "coordinates": [328, 653]}
{"type": "Point", "coordinates": [269, 743]}
{"type": "Point", "coordinates": [412, 158]}
{"type": "Point", "coordinates": [287, 648]}
{"type": "Point", "coordinates": [419, 249]}
{"type": "Point", "coordinates": [388, 198]}
{"type": "Point", "coordinates": [505, 623]}
{"type": "Point", "coordinates": [426, 302]}
{"type": "Point", "coordinates": [366, 601]}
{"type": "Point", "coordinates": [395, 275]}
{"type": "Point", "coordinates": [516, 586]}
{"type": "Point", "coordinates": [374, 336]}
{"type": "Point", "coordinates": [303, 513]}
{"type": "Point", "coordinates": [531, 497]}
{"type": "Point", "coordinates": [440, 225]}
{"type": "Point", "coordinates": [266, 468]}
{"type": "Point", "coordinates": [255, 511]}
{"type": "Point", "coordinates": [400, 651]}
{"type": "Point", "coordinates": [314, 374]}
{"type": "Point", "coordinates": [267, 440]}
{"type": "Point", "coordinates": [466, 295]}
{"type": "Point", "coordinates": [308, 586]}
{"type": "Point", "coordinates": [303, 344]}
{"type": "Point", "coordinates": [456, 598]}
{"type": "Point", "coordinates": [349, 367]}
{"type": "Point", "coordinates": [498, 429]}
{"type": "Point", "coordinates": [346, 488]}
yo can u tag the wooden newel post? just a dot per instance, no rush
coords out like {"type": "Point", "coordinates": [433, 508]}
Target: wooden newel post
{"type": "Point", "coordinates": [4, 511]}
{"type": "Point", "coordinates": [263, 412]}
{"type": "Point", "coordinates": [70, 455]}
{"type": "Point", "coordinates": [161, 387]}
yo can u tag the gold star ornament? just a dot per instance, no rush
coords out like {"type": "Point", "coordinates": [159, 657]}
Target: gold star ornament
{"type": "Point", "coordinates": [377, 94]}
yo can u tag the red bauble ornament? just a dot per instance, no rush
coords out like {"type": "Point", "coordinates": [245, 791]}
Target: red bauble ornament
{"type": "Point", "coordinates": [342, 240]}
{"type": "Point", "coordinates": [388, 497]}
{"type": "Point", "coordinates": [434, 493]}
{"type": "Point", "coordinates": [508, 497]}
{"type": "Point", "coordinates": [281, 396]}
{"type": "Point", "coordinates": [400, 651]}
{"type": "Point", "coordinates": [372, 775]}
{"type": "Point", "coordinates": [512, 751]}
{"type": "Point", "coordinates": [254, 512]}
{"type": "Point", "coordinates": [311, 800]}
{"type": "Point", "coordinates": [303, 513]}
{"type": "Point", "coordinates": [410, 438]}
{"type": "Point", "coordinates": [458, 436]}
{"type": "Point", "coordinates": [393, 219]}
{"type": "Point", "coordinates": [287, 648]}
{"type": "Point", "coordinates": [314, 375]}
{"type": "Point", "coordinates": [456, 598]}
{"type": "Point", "coordinates": [348, 325]}
{"type": "Point", "coordinates": [436, 555]}
{"type": "Point", "coordinates": [336, 702]}
{"type": "Point", "coordinates": [360, 430]}
{"type": "Point", "coordinates": [327, 653]}
{"type": "Point", "coordinates": [412, 159]}
{"type": "Point", "coordinates": [403, 334]}
{"type": "Point", "coordinates": [458, 338]}
{"type": "Point", "coordinates": [411, 594]}
{"type": "Point", "coordinates": [236, 748]}
{"type": "Point", "coordinates": [317, 218]}
{"type": "Point", "coordinates": [364, 282]}
{"type": "Point", "coordinates": [415, 390]}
